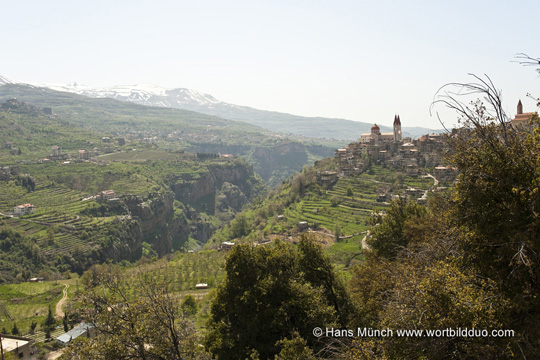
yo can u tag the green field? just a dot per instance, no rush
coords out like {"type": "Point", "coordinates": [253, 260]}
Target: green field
{"type": "Point", "coordinates": [29, 302]}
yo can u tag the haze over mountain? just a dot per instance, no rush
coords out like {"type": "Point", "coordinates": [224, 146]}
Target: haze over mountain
{"type": "Point", "coordinates": [182, 98]}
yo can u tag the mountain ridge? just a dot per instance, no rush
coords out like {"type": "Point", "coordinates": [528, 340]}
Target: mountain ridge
{"type": "Point", "coordinates": [187, 99]}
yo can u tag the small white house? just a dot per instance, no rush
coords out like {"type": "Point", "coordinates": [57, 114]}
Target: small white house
{"type": "Point", "coordinates": [227, 245]}
{"type": "Point", "coordinates": [23, 209]}
{"type": "Point", "coordinates": [201, 286]}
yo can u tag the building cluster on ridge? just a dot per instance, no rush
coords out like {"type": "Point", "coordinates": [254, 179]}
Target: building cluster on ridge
{"type": "Point", "coordinates": [392, 150]}
{"type": "Point", "coordinates": [406, 154]}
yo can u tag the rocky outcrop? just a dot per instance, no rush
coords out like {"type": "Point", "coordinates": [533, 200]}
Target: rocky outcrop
{"type": "Point", "coordinates": [167, 224]}
{"type": "Point", "coordinates": [159, 225]}
{"type": "Point", "coordinates": [200, 191]}
{"type": "Point", "coordinates": [277, 162]}
{"type": "Point", "coordinates": [127, 238]}
{"type": "Point", "coordinates": [273, 161]}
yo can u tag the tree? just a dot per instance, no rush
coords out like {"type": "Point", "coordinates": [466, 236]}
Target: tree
{"type": "Point", "coordinates": [189, 306]}
{"type": "Point", "coordinates": [33, 326]}
{"type": "Point", "coordinates": [472, 259]}
{"type": "Point", "coordinates": [440, 296]}
{"type": "Point", "coordinates": [139, 322]}
{"type": "Point", "coordinates": [294, 349]}
{"type": "Point", "coordinates": [269, 294]}
{"type": "Point", "coordinates": [319, 271]}
{"type": "Point", "coordinates": [65, 322]}
{"type": "Point", "coordinates": [497, 201]}
{"type": "Point", "coordinates": [239, 226]}
{"type": "Point", "coordinates": [387, 235]}
{"type": "Point", "coordinates": [337, 232]}
{"type": "Point", "coordinates": [49, 322]}
{"type": "Point", "coordinates": [15, 329]}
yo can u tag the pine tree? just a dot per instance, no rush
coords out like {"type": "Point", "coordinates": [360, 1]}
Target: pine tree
{"type": "Point", "coordinates": [15, 330]}
{"type": "Point", "coordinates": [65, 321]}
{"type": "Point", "coordinates": [49, 321]}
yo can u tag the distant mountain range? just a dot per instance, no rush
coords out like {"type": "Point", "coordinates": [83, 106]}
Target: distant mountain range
{"type": "Point", "coordinates": [181, 98]}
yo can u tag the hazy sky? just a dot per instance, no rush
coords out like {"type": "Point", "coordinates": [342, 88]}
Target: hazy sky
{"type": "Point", "coordinates": [359, 60]}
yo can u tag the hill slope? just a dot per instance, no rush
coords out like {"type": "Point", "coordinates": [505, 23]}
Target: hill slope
{"type": "Point", "coordinates": [274, 156]}
{"type": "Point", "coordinates": [338, 213]}
{"type": "Point", "coordinates": [181, 98]}
{"type": "Point", "coordinates": [159, 201]}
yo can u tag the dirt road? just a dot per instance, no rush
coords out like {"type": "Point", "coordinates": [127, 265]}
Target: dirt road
{"type": "Point", "coordinates": [59, 311]}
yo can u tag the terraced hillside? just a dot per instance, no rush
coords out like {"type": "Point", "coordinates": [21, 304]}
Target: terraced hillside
{"type": "Point", "coordinates": [27, 303]}
{"type": "Point", "coordinates": [159, 205]}
{"type": "Point", "coordinates": [64, 232]}
{"type": "Point", "coordinates": [338, 213]}
{"type": "Point", "coordinates": [274, 156]}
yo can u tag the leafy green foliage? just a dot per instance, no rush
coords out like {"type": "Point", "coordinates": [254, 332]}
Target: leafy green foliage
{"type": "Point", "coordinates": [269, 293]}
{"type": "Point", "coordinates": [49, 322]}
{"type": "Point", "coordinates": [15, 329]}
{"type": "Point", "coordinates": [387, 237]}
{"type": "Point", "coordinates": [144, 324]}
{"type": "Point", "coordinates": [189, 305]}
{"type": "Point", "coordinates": [470, 259]}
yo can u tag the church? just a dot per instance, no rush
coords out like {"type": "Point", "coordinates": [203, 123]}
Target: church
{"type": "Point", "coordinates": [375, 137]}
{"type": "Point", "coordinates": [522, 119]}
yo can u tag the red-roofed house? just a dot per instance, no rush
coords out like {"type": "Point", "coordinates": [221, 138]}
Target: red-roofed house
{"type": "Point", "coordinates": [23, 209]}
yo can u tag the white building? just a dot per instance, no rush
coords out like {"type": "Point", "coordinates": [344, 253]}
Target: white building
{"type": "Point", "coordinates": [23, 209]}
{"type": "Point", "coordinates": [81, 329]}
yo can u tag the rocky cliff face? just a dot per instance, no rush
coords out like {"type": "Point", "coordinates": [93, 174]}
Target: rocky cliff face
{"type": "Point", "coordinates": [273, 162]}
{"type": "Point", "coordinates": [128, 238]}
{"type": "Point", "coordinates": [159, 225]}
{"type": "Point", "coordinates": [277, 162]}
{"type": "Point", "coordinates": [167, 225]}
{"type": "Point", "coordinates": [200, 192]}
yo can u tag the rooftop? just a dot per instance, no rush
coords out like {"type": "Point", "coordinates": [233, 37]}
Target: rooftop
{"type": "Point", "coordinates": [11, 343]}
{"type": "Point", "coordinates": [77, 331]}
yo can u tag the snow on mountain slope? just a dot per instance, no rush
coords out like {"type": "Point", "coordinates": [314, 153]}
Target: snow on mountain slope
{"type": "Point", "coordinates": [181, 98]}
{"type": "Point", "coordinates": [146, 94]}
{"type": "Point", "coordinates": [4, 80]}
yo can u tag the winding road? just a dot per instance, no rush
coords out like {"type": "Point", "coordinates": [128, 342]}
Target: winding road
{"type": "Point", "coordinates": [59, 311]}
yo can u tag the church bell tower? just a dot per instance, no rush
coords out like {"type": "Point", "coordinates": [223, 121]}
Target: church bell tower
{"type": "Point", "coordinates": [397, 128]}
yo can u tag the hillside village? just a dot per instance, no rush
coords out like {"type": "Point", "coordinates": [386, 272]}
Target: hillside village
{"type": "Point", "coordinates": [412, 156]}
{"type": "Point", "coordinates": [396, 152]}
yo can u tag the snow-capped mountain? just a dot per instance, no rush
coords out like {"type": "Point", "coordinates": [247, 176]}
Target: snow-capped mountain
{"type": "Point", "coordinates": [145, 94]}
{"type": "Point", "coordinates": [187, 99]}
{"type": "Point", "coordinates": [4, 80]}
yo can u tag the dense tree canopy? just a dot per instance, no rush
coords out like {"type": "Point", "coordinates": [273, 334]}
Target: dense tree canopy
{"type": "Point", "coordinates": [273, 295]}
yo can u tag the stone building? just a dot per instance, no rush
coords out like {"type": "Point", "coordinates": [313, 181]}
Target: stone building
{"type": "Point", "coordinates": [521, 119]}
{"type": "Point", "coordinates": [391, 149]}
